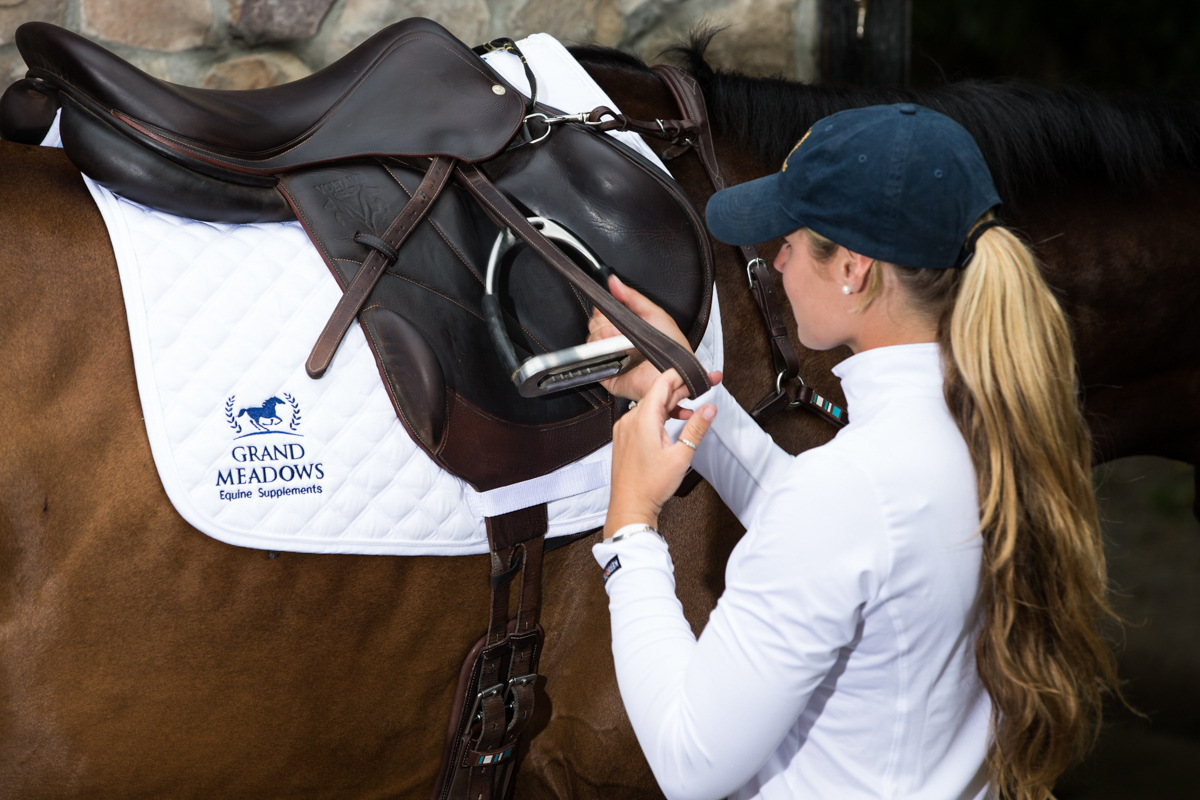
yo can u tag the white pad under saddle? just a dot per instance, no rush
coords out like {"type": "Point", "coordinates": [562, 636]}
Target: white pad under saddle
{"type": "Point", "coordinates": [253, 452]}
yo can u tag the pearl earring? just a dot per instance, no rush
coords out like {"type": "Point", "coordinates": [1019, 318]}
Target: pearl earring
{"type": "Point", "coordinates": [845, 289]}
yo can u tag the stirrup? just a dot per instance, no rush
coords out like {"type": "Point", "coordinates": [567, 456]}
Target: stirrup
{"type": "Point", "coordinates": [569, 367]}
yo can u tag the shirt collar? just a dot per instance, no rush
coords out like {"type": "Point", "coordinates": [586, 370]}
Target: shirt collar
{"type": "Point", "coordinates": [873, 376]}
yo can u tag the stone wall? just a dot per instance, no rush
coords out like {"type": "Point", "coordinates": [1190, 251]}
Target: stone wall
{"type": "Point", "coordinates": [243, 44]}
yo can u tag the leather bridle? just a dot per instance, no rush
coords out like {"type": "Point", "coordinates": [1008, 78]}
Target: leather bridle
{"type": "Point", "coordinates": [698, 136]}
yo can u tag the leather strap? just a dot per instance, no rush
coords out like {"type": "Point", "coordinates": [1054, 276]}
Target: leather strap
{"type": "Point", "coordinates": [763, 289]}
{"type": "Point", "coordinates": [690, 99]}
{"type": "Point", "coordinates": [662, 351]}
{"type": "Point", "coordinates": [373, 267]}
{"type": "Point", "coordinates": [515, 538]}
{"type": "Point", "coordinates": [604, 118]}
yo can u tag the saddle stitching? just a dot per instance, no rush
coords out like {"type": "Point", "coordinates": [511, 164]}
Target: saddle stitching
{"type": "Point", "coordinates": [446, 407]}
{"type": "Point", "coordinates": [434, 291]}
{"type": "Point", "coordinates": [429, 218]}
{"type": "Point", "coordinates": [326, 255]}
{"type": "Point", "coordinates": [578, 420]}
{"type": "Point", "coordinates": [202, 153]}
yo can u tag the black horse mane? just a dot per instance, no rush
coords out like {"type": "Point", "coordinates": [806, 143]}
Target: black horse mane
{"type": "Point", "coordinates": [1031, 136]}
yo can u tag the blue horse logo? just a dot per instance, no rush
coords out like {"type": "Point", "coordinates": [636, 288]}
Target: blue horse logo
{"type": "Point", "coordinates": [262, 416]}
{"type": "Point", "coordinates": [264, 419]}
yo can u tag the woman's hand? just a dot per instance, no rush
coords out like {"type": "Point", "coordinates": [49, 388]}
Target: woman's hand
{"type": "Point", "coordinates": [647, 466]}
{"type": "Point", "coordinates": [634, 383]}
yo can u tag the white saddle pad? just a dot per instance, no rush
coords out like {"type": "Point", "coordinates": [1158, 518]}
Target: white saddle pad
{"type": "Point", "coordinates": [253, 452]}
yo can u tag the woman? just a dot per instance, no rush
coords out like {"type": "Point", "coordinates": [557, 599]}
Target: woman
{"type": "Point", "coordinates": [913, 610]}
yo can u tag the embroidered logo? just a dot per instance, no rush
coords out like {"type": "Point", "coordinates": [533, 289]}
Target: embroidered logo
{"type": "Point", "coordinates": [794, 149]}
{"type": "Point", "coordinates": [611, 567]}
{"type": "Point", "coordinates": [274, 468]}
{"type": "Point", "coordinates": [263, 419]}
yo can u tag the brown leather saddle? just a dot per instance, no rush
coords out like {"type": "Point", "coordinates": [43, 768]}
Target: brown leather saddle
{"type": "Point", "coordinates": [411, 126]}
{"type": "Point", "coordinates": [468, 229]}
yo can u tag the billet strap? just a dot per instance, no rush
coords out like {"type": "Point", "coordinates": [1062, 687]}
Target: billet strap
{"type": "Point", "coordinates": [384, 251]}
{"type": "Point", "coordinates": [662, 351]}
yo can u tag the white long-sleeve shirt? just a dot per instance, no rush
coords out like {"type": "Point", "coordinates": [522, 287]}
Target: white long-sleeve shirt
{"type": "Point", "coordinates": [839, 662]}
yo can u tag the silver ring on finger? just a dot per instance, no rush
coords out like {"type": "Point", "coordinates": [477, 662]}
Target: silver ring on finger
{"type": "Point", "coordinates": [689, 444]}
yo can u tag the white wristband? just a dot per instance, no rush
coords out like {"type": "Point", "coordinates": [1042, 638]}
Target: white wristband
{"type": "Point", "coordinates": [625, 531]}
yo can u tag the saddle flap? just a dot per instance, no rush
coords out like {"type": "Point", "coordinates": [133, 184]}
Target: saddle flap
{"type": "Point", "coordinates": [412, 90]}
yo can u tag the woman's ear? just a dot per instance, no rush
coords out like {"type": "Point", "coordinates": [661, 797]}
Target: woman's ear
{"type": "Point", "coordinates": [855, 268]}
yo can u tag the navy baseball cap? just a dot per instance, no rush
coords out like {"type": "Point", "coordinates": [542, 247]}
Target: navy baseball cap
{"type": "Point", "coordinates": [899, 183]}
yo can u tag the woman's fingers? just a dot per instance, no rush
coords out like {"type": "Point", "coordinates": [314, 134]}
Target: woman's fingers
{"type": "Point", "coordinates": [647, 309]}
{"type": "Point", "coordinates": [647, 465]}
{"type": "Point", "coordinates": [599, 327]}
{"type": "Point", "coordinates": [632, 299]}
{"type": "Point", "coordinates": [635, 382]}
{"type": "Point", "coordinates": [695, 429]}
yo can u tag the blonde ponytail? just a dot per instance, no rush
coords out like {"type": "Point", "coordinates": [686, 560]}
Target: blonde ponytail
{"type": "Point", "coordinates": [1010, 385]}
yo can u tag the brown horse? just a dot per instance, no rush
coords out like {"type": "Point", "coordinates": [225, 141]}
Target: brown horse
{"type": "Point", "coordinates": [139, 658]}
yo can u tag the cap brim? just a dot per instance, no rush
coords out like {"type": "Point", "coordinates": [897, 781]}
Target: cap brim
{"type": "Point", "coordinates": [750, 212]}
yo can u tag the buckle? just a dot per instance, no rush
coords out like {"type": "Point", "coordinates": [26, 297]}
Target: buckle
{"type": "Point", "coordinates": [520, 680]}
{"type": "Point", "coordinates": [509, 695]}
{"type": "Point", "coordinates": [476, 711]}
{"type": "Point", "coordinates": [550, 121]}
{"type": "Point", "coordinates": [750, 274]}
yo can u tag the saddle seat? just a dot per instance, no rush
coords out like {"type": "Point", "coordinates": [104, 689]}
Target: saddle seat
{"type": "Point", "coordinates": [409, 90]}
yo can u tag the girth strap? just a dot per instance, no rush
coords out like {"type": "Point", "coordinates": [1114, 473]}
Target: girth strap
{"type": "Point", "coordinates": [383, 255]}
{"type": "Point", "coordinates": [658, 348]}
{"type": "Point", "coordinates": [495, 697]}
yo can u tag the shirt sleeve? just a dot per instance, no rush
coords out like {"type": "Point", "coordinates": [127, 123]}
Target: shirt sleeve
{"type": "Point", "coordinates": [709, 713]}
{"type": "Point", "coordinates": [736, 456]}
